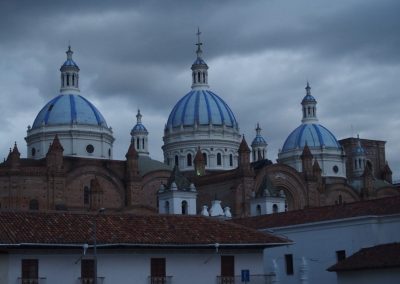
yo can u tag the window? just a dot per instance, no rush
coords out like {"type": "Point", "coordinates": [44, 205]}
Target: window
{"type": "Point", "coordinates": [166, 207]}
{"type": "Point", "coordinates": [90, 148]}
{"type": "Point", "coordinates": [258, 210]}
{"type": "Point", "coordinates": [87, 270]}
{"type": "Point", "coordinates": [189, 160]}
{"type": "Point", "coordinates": [219, 159]}
{"type": "Point", "coordinates": [205, 158]}
{"type": "Point", "coordinates": [184, 207]}
{"type": "Point", "coordinates": [30, 270]}
{"type": "Point", "coordinates": [231, 160]}
{"type": "Point", "coordinates": [86, 195]}
{"type": "Point", "coordinates": [157, 271]}
{"type": "Point", "coordinates": [34, 204]}
{"type": "Point", "coordinates": [227, 269]}
{"type": "Point", "coordinates": [176, 160]}
{"type": "Point", "coordinates": [289, 264]}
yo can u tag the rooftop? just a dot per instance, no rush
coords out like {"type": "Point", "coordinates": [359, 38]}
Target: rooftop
{"type": "Point", "coordinates": [381, 256]}
{"type": "Point", "coordinates": [383, 206]}
{"type": "Point", "coordinates": [58, 229]}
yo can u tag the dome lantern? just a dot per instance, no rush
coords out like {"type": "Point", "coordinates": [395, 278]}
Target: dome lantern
{"type": "Point", "coordinates": [69, 74]}
{"type": "Point", "coordinates": [199, 67]}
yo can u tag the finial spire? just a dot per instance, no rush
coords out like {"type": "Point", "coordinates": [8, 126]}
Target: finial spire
{"type": "Point", "coordinates": [199, 43]}
{"type": "Point", "coordinates": [308, 88]}
{"type": "Point", "coordinates": [139, 117]}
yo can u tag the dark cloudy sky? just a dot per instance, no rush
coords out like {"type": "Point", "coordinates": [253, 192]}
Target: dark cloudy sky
{"type": "Point", "coordinates": [137, 54]}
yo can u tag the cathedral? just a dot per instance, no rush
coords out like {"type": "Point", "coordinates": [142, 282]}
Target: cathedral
{"type": "Point", "coordinates": [208, 167]}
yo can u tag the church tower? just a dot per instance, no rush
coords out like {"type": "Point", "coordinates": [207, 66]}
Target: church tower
{"type": "Point", "coordinates": [139, 136]}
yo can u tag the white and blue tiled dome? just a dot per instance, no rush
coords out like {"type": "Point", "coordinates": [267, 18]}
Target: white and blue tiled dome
{"type": "Point", "coordinates": [322, 143]}
{"type": "Point", "coordinates": [201, 107]}
{"type": "Point", "coordinates": [201, 119]}
{"type": "Point", "coordinates": [314, 135]}
{"type": "Point", "coordinates": [69, 109]}
{"type": "Point", "coordinates": [80, 127]}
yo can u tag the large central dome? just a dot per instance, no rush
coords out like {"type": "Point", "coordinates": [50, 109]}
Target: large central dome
{"type": "Point", "coordinates": [201, 107]}
{"type": "Point", "coordinates": [201, 119]}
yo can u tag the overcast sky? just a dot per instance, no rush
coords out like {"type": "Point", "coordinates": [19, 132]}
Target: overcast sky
{"type": "Point", "coordinates": [137, 54]}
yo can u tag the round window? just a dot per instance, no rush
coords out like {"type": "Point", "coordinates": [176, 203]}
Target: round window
{"type": "Point", "coordinates": [90, 148]}
{"type": "Point", "coordinates": [335, 169]}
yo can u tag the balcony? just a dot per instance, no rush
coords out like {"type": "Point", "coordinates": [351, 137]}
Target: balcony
{"type": "Point", "coordinates": [89, 280]}
{"type": "Point", "coordinates": [254, 279]}
{"type": "Point", "coordinates": [160, 279]}
{"type": "Point", "coordinates": [40, 280]}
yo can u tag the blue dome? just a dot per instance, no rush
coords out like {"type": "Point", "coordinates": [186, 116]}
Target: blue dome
{"type": "Point", "coordinates": [314, 134]}
{"type": "Point", "coordinates": [202, 107]}
{"type": "Point", "coordinates": [139, 128]}
{"type": "Point", "coordinates": [69, 109]}
{"type": "Point", "coordinates": [258, 140]}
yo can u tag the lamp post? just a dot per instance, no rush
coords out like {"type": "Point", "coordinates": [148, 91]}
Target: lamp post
{"type": "Point", "coordinates": [101, 210]}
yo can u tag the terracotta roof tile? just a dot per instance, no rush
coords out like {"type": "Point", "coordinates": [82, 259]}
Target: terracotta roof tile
{"type": "Point", "coordinates": [72, 228]}
{"type": "Point", "coordinates": [381, 256]}
{"type": "Point", "coordinates": [383, 206]}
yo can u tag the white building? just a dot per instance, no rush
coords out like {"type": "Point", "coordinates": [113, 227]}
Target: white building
{"type": "Point", "coordinates": [49, 248]}
{"type": "Point", "coordinates": [322, 236]}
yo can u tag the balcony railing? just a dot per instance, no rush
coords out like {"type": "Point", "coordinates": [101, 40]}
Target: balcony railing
{"type": "Point", "coordinates": [90, 280]}
{"type": "Point", "coordinates": [160, 279]}
{"type": "Point", "coordinates": [40, 280]}
{"type": "Point", "coordinates": [254, 279]}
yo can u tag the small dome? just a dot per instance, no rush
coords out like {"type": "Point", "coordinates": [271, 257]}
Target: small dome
{"type": "Point", "coordinates": [315, 135]}
{"type": "Point", "coordinates": [69, 109]}
{"type": "Point", "coordinates": [201, 107]}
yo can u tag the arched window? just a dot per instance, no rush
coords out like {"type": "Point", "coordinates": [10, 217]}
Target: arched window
{"type": "Point", "coordinates": [258, 210]}
{"type": "Point", "coordinates": [231, 160]}
{"type": "Point", "coordinates": [176, 160]}
{"type": "Point", "coordinates": [34, 204]}
{"type": "Point", "coordinates": [166, 207]}
{"type": "Point", "coordinates": [205, 158]}
{"type": "Point", "coordinates": [274, 208]}
{"type": "Point", "coordinates": [86, 195]}
{"type": "Point", "coordinates": [219, 159]}
{"type": "Point", "coordinates": [184, 207]}
{"type": "Point", "coordinates": [189, 160]}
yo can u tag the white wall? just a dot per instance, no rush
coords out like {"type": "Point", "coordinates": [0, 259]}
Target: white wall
{"type": "Point", "coordinates": [133, 266]}
{"type": "Point", "coordinates": [319, 242]}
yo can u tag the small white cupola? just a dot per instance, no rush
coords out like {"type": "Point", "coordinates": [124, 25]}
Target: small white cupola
{"type": "Point", "coordinates": [359, 158]}
{"type": "Point", "coordinates": [69, 75]}
{"type": "Point", "coordinates": [309, 104]}
{"type": "Point", "coordinates": [259, 146]}
{"type": "Point", "coordinates": [139, 136]}
{"type": "Point", "coordinates": [178, 197]}
{"type": "Point", "coordinates": [199, 67]}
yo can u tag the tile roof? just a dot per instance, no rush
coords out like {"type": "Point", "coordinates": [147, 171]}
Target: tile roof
{"type": "Point", "coordinates": [19, 228]}
{"type": "Point", "coordinates": [383, 206]}
{"type": "Point", "coordinates": [381, 256]}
